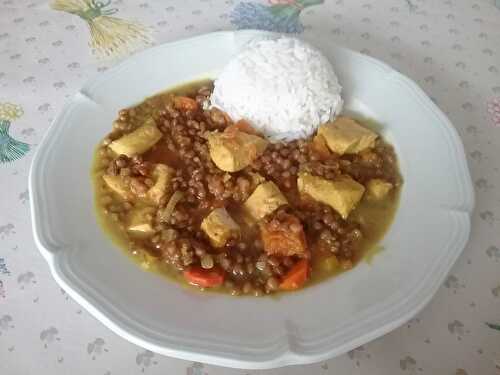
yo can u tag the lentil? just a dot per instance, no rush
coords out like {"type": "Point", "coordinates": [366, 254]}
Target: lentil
{"type": "Point", "coordinates": [179, 244]}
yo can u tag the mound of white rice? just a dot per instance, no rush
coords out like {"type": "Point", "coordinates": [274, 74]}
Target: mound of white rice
{"type": "Point", "coordinates": [283, 86]}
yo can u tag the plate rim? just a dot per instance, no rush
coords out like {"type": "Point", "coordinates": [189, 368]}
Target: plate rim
{"type": "Point", "coordinates": [49, 247]}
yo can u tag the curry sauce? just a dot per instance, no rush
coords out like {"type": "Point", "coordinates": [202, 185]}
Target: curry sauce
{"type": "Point", "coordinates": [281, 216]}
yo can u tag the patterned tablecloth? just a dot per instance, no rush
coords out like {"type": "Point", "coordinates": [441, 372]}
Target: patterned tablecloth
{"type": "Point", "coordinates": [48, 50]}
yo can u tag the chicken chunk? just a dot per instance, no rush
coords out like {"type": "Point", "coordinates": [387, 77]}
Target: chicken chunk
{"type": "Point", "coordinates": [141, 221]}
{"type": "Point", "coordinates": [256, 178]}
{"type": "Point", "coordinates": [235, 150]}
{"type": "Point", "coordinates": [266, 198]}
{"type": "Point", "coordinates": [346, 136]}
{"type": "Point", "coordinates": [283, 236]}
{"type": "Point", "coordinates": [378, 189]}
{"type": "Point", "coordinates": [118, 185]}
{"type": "Point", "coordinates": [219, 226]}
{"type": "Point", "coordinates": [138, 141]}
{"type": "Point", "coordinates": [162, 175]}
{"type": "Point", "coordinates": [342, 194]}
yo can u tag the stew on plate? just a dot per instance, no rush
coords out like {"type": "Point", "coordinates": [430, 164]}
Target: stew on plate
{"type": "Point", "coordinates": [195, 195]}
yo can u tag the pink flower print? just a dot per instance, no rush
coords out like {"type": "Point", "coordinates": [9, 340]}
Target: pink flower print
{"type": "Point", "coordinates": [494, 111]}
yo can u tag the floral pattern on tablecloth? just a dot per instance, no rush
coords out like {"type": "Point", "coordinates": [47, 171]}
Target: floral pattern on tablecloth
{"type": "Point", "coordinates": [10, 149]}
{"type": "Point", "coordinates": [48, 49]}
{"type": "Point", "coordinates": [109, 36]}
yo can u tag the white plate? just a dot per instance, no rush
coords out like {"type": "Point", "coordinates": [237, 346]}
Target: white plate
{"type": "Point", "coordinates": [430, 230]}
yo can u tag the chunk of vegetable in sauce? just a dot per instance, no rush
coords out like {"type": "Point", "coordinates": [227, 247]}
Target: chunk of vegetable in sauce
{"type": "Point", "coordinates": [165, 213]}
{"type": "Point", "coordinates": [283, 236]}
{"type": "Point", "coordinates": [319, 145]}
{"type": "Point", "coordinates": [205, 278]}
{"type": "Point", "coordinates": [185, 103]}
{"type": "Point", "coordinates": [296, 277]}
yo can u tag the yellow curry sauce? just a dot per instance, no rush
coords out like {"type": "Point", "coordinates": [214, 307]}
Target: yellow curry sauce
{"type": "Point", "coordinates": [333, 244]}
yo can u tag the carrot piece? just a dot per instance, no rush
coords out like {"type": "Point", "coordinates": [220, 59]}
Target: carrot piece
{"type": "Point", "coordinates": [285, 237]}
{"type": "Point", "coordinates": [206, 278]}
{"type": "Point", "coordinates": [242, 126]}
{"type": "Point", "coordinates": [296, 277]}
{"type": "Point", "coordinates": [185, 103]}
{"type": "Point", "coordinates": [319, 145]}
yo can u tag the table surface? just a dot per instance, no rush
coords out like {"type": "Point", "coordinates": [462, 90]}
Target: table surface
{"type": "Point", "coordinates": [450, 48]}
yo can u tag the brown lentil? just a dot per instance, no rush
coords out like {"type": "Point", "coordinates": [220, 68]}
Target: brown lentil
{"type": "Point", "coordinates": [180, 244]}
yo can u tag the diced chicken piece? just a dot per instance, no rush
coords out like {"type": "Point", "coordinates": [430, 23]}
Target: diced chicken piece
{"type": "Point", "coordinates": [284, 236]}
{"type": "Point", "coordinates": [146, 259]}
{"type": "Point", "coordinates": [378, 189]}
{"type": "Point", "coordinates": [255, 180]}
{"type": "Point", "coordinates": [235, 150]}
{"type": "Point", "coordinates": [118, 185]}
{"type": "Point", "coordinates": [138, 141]}
{"type": "Point", "coordinates": [329, 263]}
{"type": "Point", "coordinates": [140, 221]}
{"type": "Point", "coordinates": [346, 136]}
{"type": "Point", "coordinates": [266, 198]}
{"type": "Point", "coordinates": [342, 194]}
{"type": "Point", "coordinates": [162, 175]}
{"type": "Point", "coordinates": [219, 226]}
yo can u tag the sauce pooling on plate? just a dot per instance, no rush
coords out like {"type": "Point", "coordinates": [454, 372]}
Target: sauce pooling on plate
{"type": "Point", "coordinates": [205, 199]}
